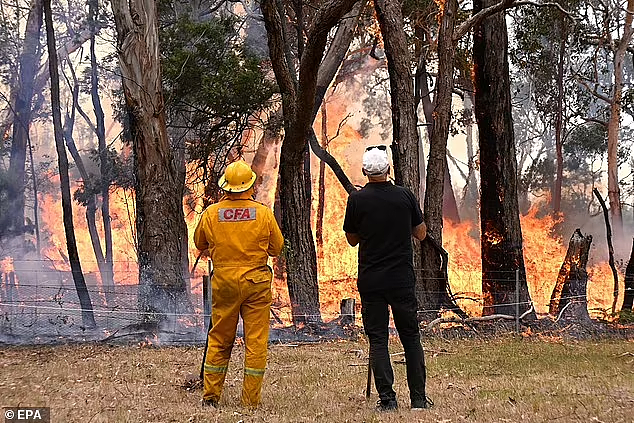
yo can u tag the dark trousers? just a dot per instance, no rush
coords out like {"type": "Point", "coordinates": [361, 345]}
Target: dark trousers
{"type": "Point", "coordinates": [374, 309]}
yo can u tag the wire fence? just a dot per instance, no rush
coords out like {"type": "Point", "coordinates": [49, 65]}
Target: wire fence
{"type": "Point", "coordinates": [40, 304]}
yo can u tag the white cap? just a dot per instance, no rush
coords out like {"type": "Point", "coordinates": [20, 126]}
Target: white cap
{"type": "Point", "coordinates": [375, 162]}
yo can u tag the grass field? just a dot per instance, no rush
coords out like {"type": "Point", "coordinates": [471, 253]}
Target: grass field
{"type": "Point", "coordinates": [509, 379]}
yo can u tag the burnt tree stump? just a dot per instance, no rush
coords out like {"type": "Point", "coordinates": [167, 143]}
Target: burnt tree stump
{"type": "Point", "coordinates": [628, 299]}
{"type": "Point", "coordinates": [569, 294]}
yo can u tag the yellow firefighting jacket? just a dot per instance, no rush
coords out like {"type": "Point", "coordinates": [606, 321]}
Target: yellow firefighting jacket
{"type": "Point", "coordinates": [239, 233]}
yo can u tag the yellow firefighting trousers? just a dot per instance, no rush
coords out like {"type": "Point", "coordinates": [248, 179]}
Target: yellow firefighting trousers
{"type": "Point", "coordinates": [238, 292]}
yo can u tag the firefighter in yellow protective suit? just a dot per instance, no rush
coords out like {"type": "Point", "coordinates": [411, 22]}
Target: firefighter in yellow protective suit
{"type": "Point", "coordinates": [240, 234]}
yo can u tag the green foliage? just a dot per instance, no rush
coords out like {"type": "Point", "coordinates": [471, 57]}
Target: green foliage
{"type": "Point", "coordinates": [211, 83]}
{"type": "Point", "coordinates": [8, 52]}
{"type": "Point", "coordinates": [119, 173]}
{"type": "Point", "coordinates": [540, 34]}
{"type": "Point", "coordinates": [585, 143]}
{"type": "Point", "coordinates": [202, 62]}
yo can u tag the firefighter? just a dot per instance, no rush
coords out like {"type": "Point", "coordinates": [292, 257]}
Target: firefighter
{"type": "Point", "coordinates": [240, 233]}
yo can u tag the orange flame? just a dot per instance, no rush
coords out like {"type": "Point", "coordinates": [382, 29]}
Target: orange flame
{"type": "Point", "coordinates": [6, 265]}
{"type": "Point", "coordinates": [337, 261]}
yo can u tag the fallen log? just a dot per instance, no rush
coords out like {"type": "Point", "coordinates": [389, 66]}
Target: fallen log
{"type": "Point", "coordinates": [568, 299]}
{"type": "Point", "coordinates": [628, 299]}
{"type": "Point", "coordinates": [456, 319]}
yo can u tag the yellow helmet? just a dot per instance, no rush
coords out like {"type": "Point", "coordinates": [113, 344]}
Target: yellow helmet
{"type": "Point", "coordinates": [238, 177]}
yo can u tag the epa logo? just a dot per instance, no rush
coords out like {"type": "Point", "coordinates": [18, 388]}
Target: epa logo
{"type": "Point", "coordinates": [27, 414]}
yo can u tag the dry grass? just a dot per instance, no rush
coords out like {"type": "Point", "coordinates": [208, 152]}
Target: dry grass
{"type": "Point", "coordinates": [509, 379]}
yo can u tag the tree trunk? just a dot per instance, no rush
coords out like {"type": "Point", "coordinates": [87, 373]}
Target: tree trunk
{"type": "Point", "coordinates": [301, 258]}
{"type": "Point", "coordinates": [321, 186]}
{"type": "Point", "coordinates": [422, 93]}
{"type": "Point", "coordinates": [29, 59]}
{"type": "Point", "coordinates": [404, 121]}
{"type": "Point", "coordinates": [576, 258]}
{"type": "Point", "coordinates": [91, 207]}
{"type": "Point", "coordinates": [449, 203]}
{"type": "Point", "coordinates": [308, 185]}
{"type": "Point", "coordinates": [105, 163]}
{"type": "Point", "coordinates": [36, 206]}
{"type": "Point", "coordinates": [71, 244]}
{"type": "Point", "coordinates": [437, 170]}
{"type": "Point", "coordinates": [501, 234]}
{"type": "Point", "coordinates": [159, 209]}
{"type": "Point", "coordinates": [628, 298]}
{"type": "Point", "coordinates": [405, 142]}
{"type": "Point", "coordinates": [569, 298]}
{"type": "Point", "coordinates": [327, 71]}
{"type": "Point", "coordinates": [91, 203]}
{"type": "Point", "coordinates": [298, 102]}
{"type": "Point", "coordinates": [614, 123]}
{"type": "Point", "coordinates": [279, 263]}
{"type": "Point", "coordinates": [269, 139]}
{"type": "Point", "coordinates": [576, 308]}
{"type": "Point", "coordinates": [608, 235]}
{"type": "Point", "coordinates": [470, 193]}
{"type": "Point", "coordinates": [559, 118]}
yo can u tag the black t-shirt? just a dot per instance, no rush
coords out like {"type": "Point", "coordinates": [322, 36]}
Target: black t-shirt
{"type": "Point", "coordinates": [383, 215]}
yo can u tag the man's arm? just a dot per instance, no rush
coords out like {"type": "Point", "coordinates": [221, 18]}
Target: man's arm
{"type": "Point", "coordinates": [276, 240]}
{"type": "Point", "coordinates": [200, 240]}
{"type": "Point", "coordinates": [353, 239]}
{"type": "Point", "coordinates": [420, 232]}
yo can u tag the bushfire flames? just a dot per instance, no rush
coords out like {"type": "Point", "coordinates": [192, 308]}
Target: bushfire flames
{"type": "Point", "coordinates": [337, 262]}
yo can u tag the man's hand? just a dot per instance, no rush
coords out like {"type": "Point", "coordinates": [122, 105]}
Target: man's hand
{"type": "Point", "coordinates": [420, 232]}
{"type": "Point", "coordinates": [353, 239]}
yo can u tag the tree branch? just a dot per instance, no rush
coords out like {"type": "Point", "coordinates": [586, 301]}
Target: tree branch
{"type": "Point", "coordinates": [593, 91]}
{"type": "Point", "coordinates": [275, 30]}
{"type": "Point", "coordinates": [476, 19]}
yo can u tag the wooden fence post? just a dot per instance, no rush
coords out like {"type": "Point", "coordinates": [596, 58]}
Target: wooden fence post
{"type": "Point", "coordinates": [347, 311]}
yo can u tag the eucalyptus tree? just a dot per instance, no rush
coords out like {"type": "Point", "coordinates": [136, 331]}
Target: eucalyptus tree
{"type": "Point", "coordinates": [95, 184]}
{"type": "Point", "coordinates": [543, 43]}
{"type": "Point", "coordinates": [159, 209]}
{"type": "Point", "coordinates": [503, 269]}
{"type": "Point", "coordinates": [297, 79]}
{"type": "Point", "coordinates": [215, 89]}
{"type": "Point", "coordinates": [449, 35]}
{"type": "Point", "coordinates": [71, 243]}
{"type": "Point", "coordinates": [214, 86]}
{"type": "Point", "coordinates": [26, 77]}
{"type": "Point", "coordinates": [609, 29]}
{"type": "Point", "coordinates": [21, 101]}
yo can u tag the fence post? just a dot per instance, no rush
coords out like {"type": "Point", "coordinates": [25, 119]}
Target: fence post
{"type": "Point", "coordinates": [347, 311]}
{"type": "Point", "coordinates": [517, 300]}
{"type": "Point", "coordinates": [11, 291]}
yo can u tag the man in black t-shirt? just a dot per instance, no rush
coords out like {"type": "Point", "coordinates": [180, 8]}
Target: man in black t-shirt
{"type": "Point", "coordinates": [382, 218]}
